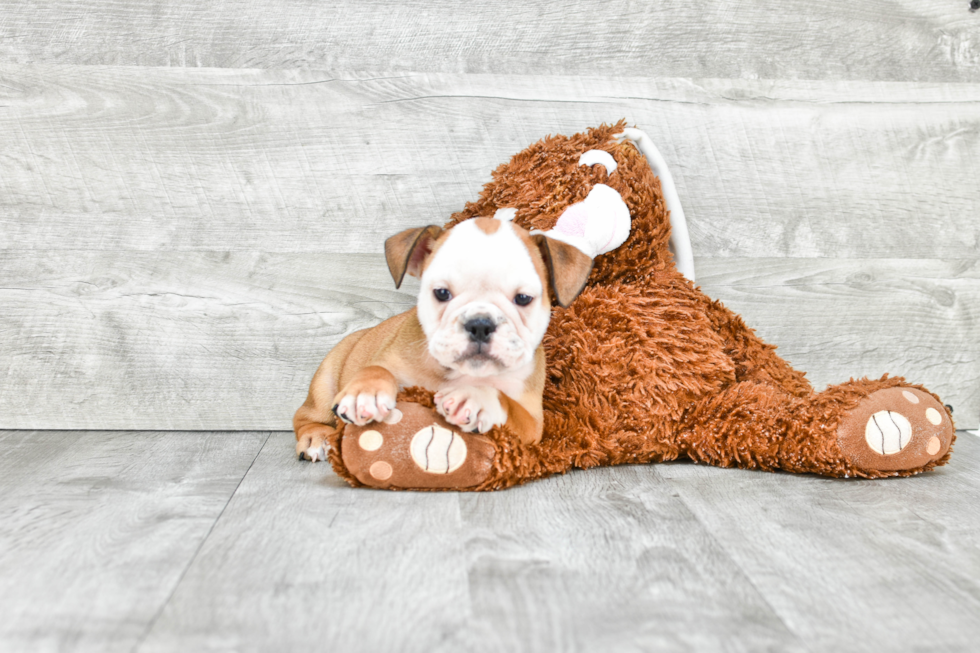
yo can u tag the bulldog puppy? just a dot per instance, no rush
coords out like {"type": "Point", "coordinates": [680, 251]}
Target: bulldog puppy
{"type": "Point", "coordinates": [474, 338]}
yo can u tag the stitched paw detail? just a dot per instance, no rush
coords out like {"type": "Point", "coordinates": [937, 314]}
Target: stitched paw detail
{"type": "Point", "coordinates": [896, 429]}
{"type": "Point", "coordinates": [437, 450]}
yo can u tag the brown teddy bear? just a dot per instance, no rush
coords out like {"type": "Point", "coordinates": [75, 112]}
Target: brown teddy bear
{"type": "Point", "coordinates": [643, 367]}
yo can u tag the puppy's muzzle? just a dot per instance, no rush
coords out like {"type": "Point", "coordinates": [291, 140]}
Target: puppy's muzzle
{"type": "Point", "coordinates": [480, 328]}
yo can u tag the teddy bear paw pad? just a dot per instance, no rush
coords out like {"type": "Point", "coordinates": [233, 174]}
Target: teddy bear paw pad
{"type": "Point", "coordinates": [895, 429]}
{"type": "Point", "coordinates": [418, 450]}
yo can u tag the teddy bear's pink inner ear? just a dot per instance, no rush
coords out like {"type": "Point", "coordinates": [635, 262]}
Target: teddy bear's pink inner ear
{"type": "Point", "coordinates": [574, 220]}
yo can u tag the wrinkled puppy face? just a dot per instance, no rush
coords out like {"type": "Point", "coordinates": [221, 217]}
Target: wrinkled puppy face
{"type": "Point", "coordinates": [483, 304]}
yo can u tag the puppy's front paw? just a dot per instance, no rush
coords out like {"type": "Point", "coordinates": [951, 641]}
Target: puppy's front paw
{"type": "Point", "coordinates": [364, 407]}
{"type": "Point", "coordinates": [472, 408]}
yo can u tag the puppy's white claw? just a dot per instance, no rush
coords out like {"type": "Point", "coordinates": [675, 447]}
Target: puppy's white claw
{"type": "Point", "coordinates": [393, 417]}
{"type": "Point", "coordinates": [316, 453]}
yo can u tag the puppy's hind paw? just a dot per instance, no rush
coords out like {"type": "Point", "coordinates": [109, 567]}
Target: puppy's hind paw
{"type": "Point", "coordinates": [312, 448]}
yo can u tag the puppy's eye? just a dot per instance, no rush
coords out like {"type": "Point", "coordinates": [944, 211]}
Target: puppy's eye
{"type": "Point", "coordinates": [523, 300]}
{"type": "Point", "coordinates": [442, 294]}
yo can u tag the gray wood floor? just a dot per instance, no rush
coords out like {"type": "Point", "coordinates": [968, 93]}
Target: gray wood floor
{"type": "Point", "coordinates": [187, 541]}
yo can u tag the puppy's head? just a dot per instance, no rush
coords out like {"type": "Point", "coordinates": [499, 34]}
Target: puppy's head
{"type": "Point", "coordinates": [484, 303]}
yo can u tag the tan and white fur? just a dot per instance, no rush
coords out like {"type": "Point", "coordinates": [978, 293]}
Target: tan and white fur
{"type": "Point", "coordinates": [474, 338]}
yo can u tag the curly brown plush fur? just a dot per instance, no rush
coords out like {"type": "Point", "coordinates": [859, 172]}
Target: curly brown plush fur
{"type": "Point", "coordinates": [643, 367]}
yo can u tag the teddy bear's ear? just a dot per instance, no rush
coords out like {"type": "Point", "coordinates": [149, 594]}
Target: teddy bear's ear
{"type": "Point", "coordinates": [406, 251]}
{"type": "Point", "coordinates": [568, 268]}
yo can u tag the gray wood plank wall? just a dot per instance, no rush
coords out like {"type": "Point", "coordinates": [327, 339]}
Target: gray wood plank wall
{"type": "Point", "coordinates": [910, 40]}
{"type": "Point", "coordinates": [179, 246]}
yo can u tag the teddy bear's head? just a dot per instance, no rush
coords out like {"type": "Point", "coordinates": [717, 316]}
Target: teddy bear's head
{"type": "Point", "coordinates": [552, 187]}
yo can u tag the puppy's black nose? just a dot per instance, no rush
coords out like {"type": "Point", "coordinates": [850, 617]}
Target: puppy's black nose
{"type": "Point", "coordinates": [480, 329]}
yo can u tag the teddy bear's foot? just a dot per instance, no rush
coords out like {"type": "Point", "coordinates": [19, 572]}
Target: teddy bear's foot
{"type": "Point", "coordinates": [415, 449]}
{"type": "Point", "coordinates": [896, 429]}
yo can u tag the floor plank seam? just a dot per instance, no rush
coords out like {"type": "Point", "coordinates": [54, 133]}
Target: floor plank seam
{"type": "Point", "coordinates": [150, 625]}
{"type": "Point", "coordinates": [748, 577]}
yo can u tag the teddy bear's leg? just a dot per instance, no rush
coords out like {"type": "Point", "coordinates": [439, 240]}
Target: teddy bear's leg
{"type": "Point", "coordinates": [412, 449]}
{"type": "Point", "coordinates": [866, 428]}
{"type": "Point", "coordinates": [754, 359]}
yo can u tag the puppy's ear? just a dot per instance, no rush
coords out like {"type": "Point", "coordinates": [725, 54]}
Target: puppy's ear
{"type": "Point", "coordinates": [406, 251]}
{"type": "Point", "coordinates": [568, 268]}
